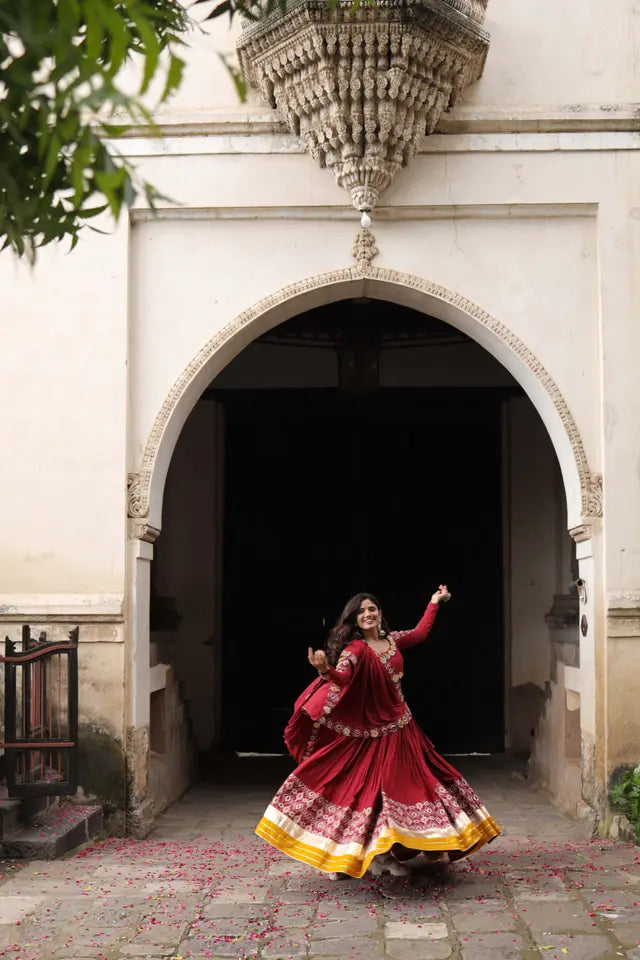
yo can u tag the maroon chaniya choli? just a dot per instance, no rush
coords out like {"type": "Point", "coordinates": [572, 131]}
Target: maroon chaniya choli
{"type": "Point", "coordinates": [367, 777]}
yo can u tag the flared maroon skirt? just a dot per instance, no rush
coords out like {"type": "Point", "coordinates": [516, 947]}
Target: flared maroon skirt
{"type": "Point", "coordinates": [355, 796]}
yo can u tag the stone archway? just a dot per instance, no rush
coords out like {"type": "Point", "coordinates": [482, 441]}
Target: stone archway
{"type": "Point", "coordinates": [583, 487]}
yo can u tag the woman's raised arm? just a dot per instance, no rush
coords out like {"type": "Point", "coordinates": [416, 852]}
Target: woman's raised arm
{"type": "Point", "coordinates": [409, 638]}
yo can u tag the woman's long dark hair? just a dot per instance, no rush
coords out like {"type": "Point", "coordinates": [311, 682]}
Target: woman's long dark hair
{"type": "Point", "coordinates": [346, 628]}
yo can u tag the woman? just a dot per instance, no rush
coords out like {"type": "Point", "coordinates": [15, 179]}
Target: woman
{"type": "Point", "coordinates": [369, 788]}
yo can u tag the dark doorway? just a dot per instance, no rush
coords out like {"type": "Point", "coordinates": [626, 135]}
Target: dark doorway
{"type": "Point", "coordinates": [393, 491]}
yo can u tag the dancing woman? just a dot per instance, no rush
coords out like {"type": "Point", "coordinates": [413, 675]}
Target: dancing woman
{"type": "Point", "coordinates": [369, 789]}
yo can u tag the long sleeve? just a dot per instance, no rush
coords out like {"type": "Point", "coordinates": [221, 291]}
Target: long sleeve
{"type": "Point", "coordinates": [409, 638]}
{"type": "Point", "coordinates": [342, 673]}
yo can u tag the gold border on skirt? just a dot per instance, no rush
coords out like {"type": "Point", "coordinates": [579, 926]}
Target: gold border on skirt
{"type": "Point", "coordinates": [473, 837]}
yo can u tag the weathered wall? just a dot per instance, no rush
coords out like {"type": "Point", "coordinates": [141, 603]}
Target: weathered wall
{"type": "Point", "coordinates": [172, 761]}
{"type": "Point", "coordinates": [536, 572]}
{"type": "Point", "coordinates": [187, 567]}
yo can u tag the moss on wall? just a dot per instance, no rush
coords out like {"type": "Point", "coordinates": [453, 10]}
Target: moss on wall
{"type": "Point", "coordinates": [101, 767]}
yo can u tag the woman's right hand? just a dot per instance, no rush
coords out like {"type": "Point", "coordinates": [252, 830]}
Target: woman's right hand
{"type": "Point", "coordinates": [442, 593]}
{"type": "Point", "coordinates": [318, 659]}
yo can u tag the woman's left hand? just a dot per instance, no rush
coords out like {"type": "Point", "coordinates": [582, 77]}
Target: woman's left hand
{"type": "Point", "coordinates": [442, 593]}
{"type": "Point", "coordinates": [318, 659]}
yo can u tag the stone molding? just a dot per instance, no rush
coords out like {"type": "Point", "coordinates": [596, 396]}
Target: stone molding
{"type": "Point", "coordinates": [362, 88]}
{"type": "Point", "coordinates": [62, 608]}
{"type": "Point", "coordinates": [623, 613]}
{"type": "Point", "coordinates": [463, 119]}
{"type": "Point", "coordinates": [71, 619]}
{"type": "Point", "coordinates": [399, 213]}
{"type": "Point", "coordinates": [623, 599]}
{"type": "Point", "coordinates": [623, 623]}
{"type": "Point", "coordinates": [139, 484]}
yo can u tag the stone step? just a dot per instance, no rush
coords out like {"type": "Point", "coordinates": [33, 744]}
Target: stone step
{"type": "Point", "coordinates": [16, 812]}
{"type": "Point", "coordinates": [53, 832]}
{"type": "Point", "coordinates": [9, 816]}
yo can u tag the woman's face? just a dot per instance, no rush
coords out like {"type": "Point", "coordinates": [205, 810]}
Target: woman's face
{"type": "Point", "coordinates": [368, 615]}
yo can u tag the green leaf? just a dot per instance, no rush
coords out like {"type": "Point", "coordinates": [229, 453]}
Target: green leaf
{"type": "Point", "coordinates": [119, 38]}
{"type": "Point", "coordinates": [93, 211]}
{"type": "Point", "coordinates": [94, 34]}
{"type": "Point", "coordinates": [174, 77]}
{"type": "Point", "coordinates": [68, 16]}
{"type": "Point", "coordinates": [150, 50]}
{"type": "Point", "coordinates": [52, 157]}
{"type": "Point", "coordinates": [236, 75]}
{"type": "Point", "coordinates": [115, 130]}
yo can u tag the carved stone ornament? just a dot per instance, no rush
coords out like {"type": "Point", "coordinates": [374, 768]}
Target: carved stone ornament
{"type": "Point", "coordinates": [594, 496]}
{"type": "Point", "coordinates": [137, 500]}
{"type": "Point", "coordinates": [364, 249]}
{"type": "Point", "coordinates": [363, 87]}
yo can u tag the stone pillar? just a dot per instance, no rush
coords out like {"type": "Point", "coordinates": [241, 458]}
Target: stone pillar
{"type": "Point", "coordinates": [619, 253]}
{"type": "Point", "coordinates": [588, 683]}
{"type": "Point", "coordinates": [138, 692]}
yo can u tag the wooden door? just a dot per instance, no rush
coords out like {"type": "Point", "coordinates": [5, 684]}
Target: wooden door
{"type": "Point", "coordinates": [327, 495]}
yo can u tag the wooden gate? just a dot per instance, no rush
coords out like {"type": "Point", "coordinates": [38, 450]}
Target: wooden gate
{"type": "Point", "coordinates": [41, 715]}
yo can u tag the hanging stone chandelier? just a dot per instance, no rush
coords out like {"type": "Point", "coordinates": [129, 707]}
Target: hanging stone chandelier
{"type": "Point", "coordinates": [363, 87]}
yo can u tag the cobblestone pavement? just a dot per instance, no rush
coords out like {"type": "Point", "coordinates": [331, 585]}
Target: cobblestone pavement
{"type": "Point", "coordinates": [202, 886]}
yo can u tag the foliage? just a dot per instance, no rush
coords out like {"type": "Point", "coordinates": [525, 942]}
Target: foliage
{"type": "Point", "coordinates": [63, 104]}
{"type": "Point", "coordinates": [625, 795]}
{"type": "Point", "coordinates": [60, 97]}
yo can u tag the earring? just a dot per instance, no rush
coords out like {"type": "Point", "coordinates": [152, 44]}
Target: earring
{"type": "Point", "coordinates": [357, 635]}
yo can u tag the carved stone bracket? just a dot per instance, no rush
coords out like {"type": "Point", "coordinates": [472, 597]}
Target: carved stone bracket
{"type": "Point", "coordinates": [363, 87]}
{"type": "Point", "coordinates": [141, 530]}
{"type": "Point", "coordinates": [581, 533]}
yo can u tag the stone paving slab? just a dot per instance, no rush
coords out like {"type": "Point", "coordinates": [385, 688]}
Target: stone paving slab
{"type": "Point", "coordinates": [297, 915]}
{"type": "Point", "coordinates": [354, 927]}
{"type": "Point", "coordinates": [15, 909]}
{"type": "Point", "coordinates": [351, 948]}
{"type": "Point", "coordinates": [561, 917]}
{"type": "Point", "coordinates": [207, 948]}
{"type": "Point", "coordinates": [494, 946]}
{"type": "Point", "coordinates": [415, 931]}
{"type": "Point", "coordinates": [418, 950]}
{"type": "Point", "coordinates": [279, 948]}
{"type": "Point", "coordinates": [491, 916]}
{"type": "Point", "coordinates": [412, 912]}
{"type": "Point", "coordinates": [203, 887]}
